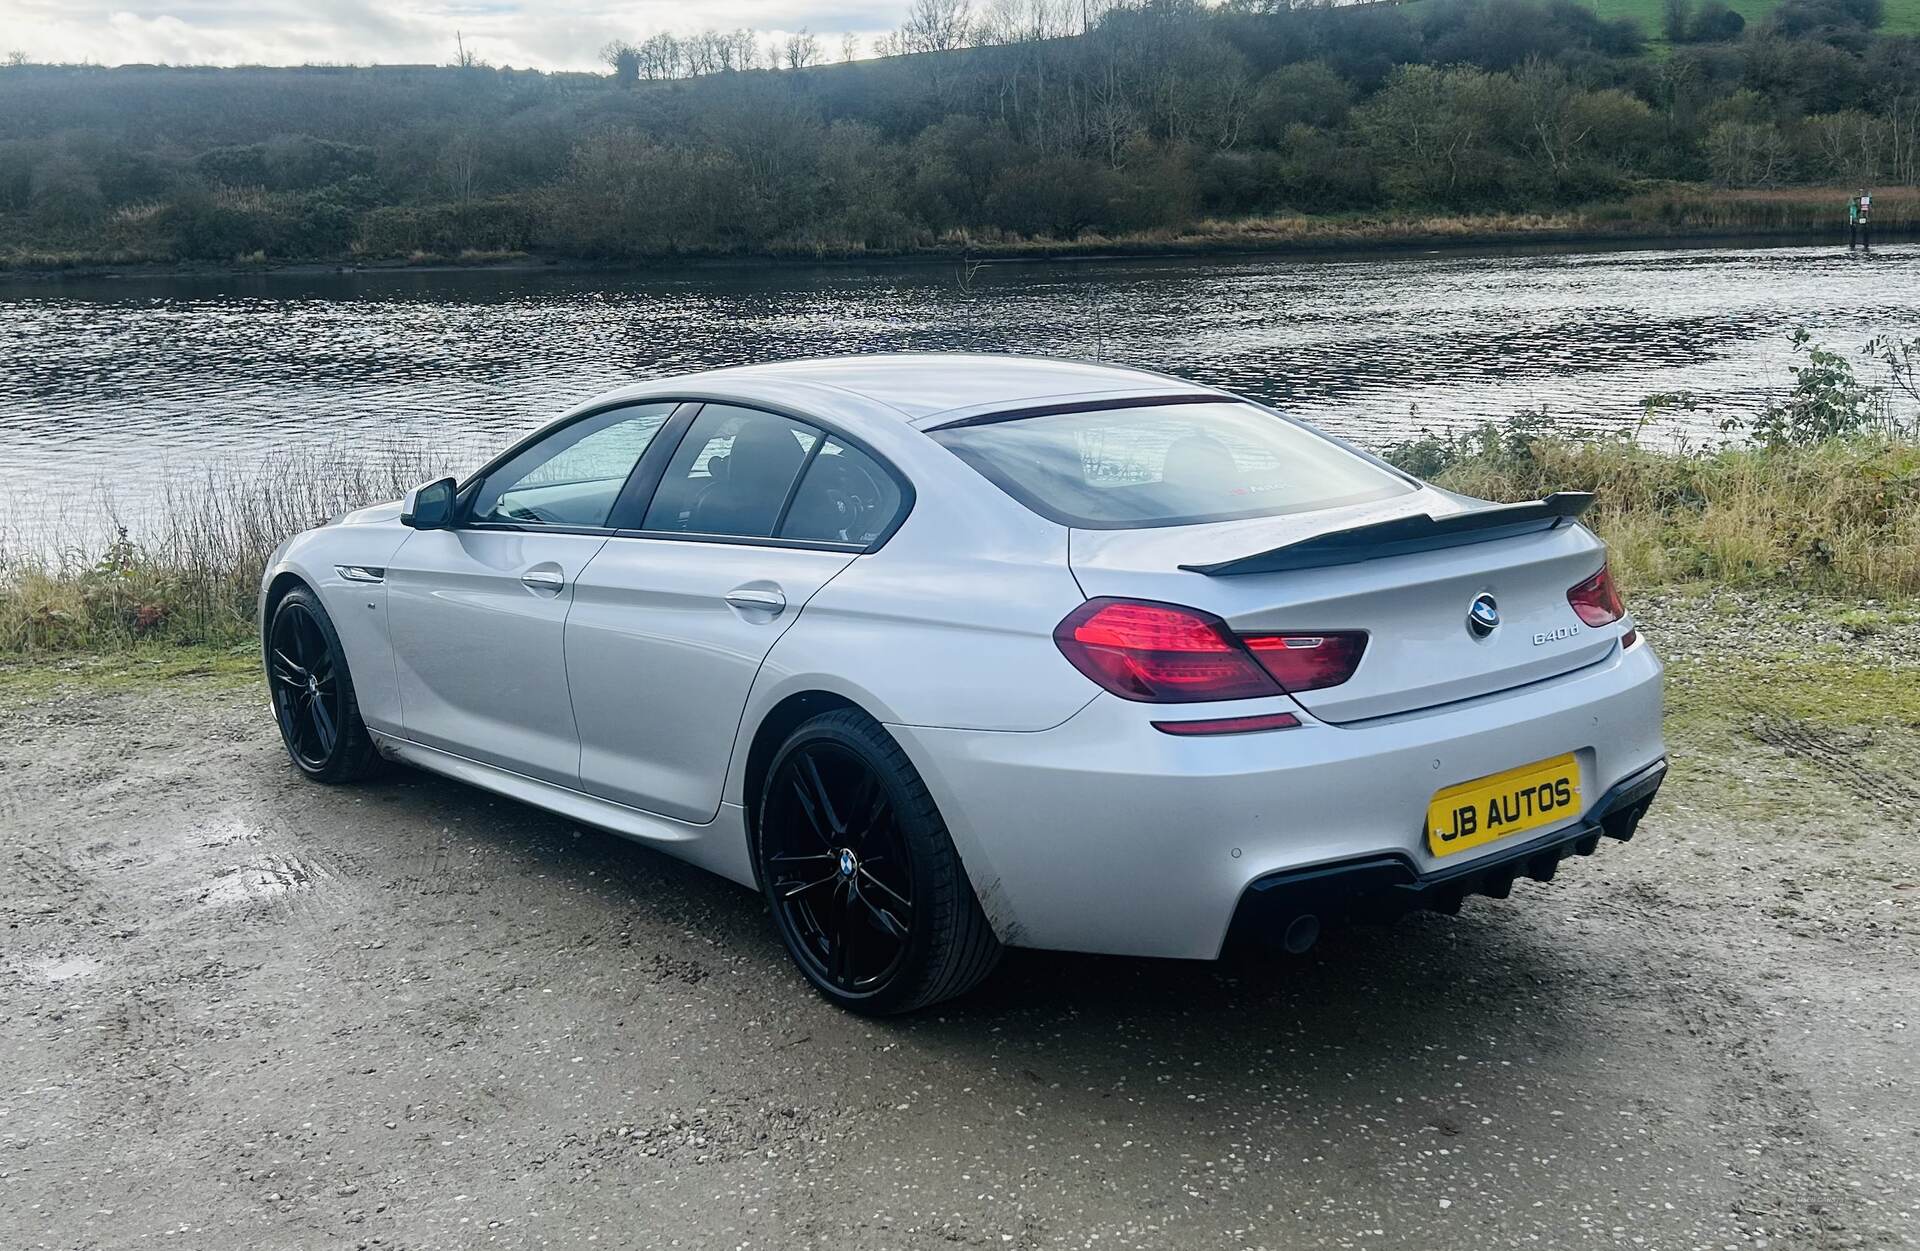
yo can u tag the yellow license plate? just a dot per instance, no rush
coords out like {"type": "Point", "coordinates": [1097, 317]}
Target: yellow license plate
{"type": "Point", "coordinates": [1477, 812]}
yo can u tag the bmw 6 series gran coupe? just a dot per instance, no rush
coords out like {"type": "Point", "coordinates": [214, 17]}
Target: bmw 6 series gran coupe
{"type": "Point", "coordinates": [950, 653]}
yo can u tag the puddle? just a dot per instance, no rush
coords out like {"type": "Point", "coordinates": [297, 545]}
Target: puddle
{"type": "Point", "coordinates": [64, 968]}
{"type": "Point", "coordinates": [261, 879]}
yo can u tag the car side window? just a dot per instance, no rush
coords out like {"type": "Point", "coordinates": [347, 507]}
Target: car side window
{"type": "Point", "coordinates": [572, 477]}
{"type": "Point", "coordinates": [731, 473]}
{"type": "Point", "coordinates": [846, 497]}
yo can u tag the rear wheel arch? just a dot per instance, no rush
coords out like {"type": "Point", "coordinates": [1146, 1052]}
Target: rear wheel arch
{"type": "Point", "coordinates": [895, 859]}
{"type": "Point", "coordinates": [781, 720]}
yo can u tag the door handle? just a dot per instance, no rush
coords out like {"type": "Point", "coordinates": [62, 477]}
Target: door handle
{"type": "Point", "coordinates": [543, 579]}
{"type": "Point", "coordinates": [751, 599]}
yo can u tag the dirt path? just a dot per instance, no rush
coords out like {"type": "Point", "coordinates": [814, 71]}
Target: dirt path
{"type": "Point", "coordinates": [240, 1011]}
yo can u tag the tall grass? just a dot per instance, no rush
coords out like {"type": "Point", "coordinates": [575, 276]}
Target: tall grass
{"type": "Point", "coordinates": [1822, 493]}
{"type": "Point", "coordinates": [185, 568]}
{"type": "Point", "coordinates": [1691, 209]}
{"type": "Point", "coordinates": [1841, 515]}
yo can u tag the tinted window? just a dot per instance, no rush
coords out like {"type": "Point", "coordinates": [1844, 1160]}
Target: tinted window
{"type": "Point", "coordinates": [846, 497]}
{"type": "Point", "coordinates": [1168, 464]}
{"type": "Point", "coordinates": [731, 473]}
{"type": "Point", "coordinates": [573, 476]}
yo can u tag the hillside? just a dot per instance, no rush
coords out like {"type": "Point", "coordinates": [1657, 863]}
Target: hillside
{"type": "Point", "coordinates": [1167, 120]}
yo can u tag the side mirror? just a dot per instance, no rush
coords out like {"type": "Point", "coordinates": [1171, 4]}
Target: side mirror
{"type": "Point", "coordinates": [429, 507]}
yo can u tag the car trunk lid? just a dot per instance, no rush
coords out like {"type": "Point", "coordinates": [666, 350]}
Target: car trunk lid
{"type": "Point", "coordinates": [1413, 605]}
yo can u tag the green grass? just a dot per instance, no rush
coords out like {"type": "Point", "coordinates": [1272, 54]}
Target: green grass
{"type": "Point", "coordinates": [1903, 16]}
{"type": "Point", "coordinates": [139, 668]}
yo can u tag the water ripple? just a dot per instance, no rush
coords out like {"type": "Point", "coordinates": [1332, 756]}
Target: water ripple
{"type": "Point", "coordinates": [133, 380]}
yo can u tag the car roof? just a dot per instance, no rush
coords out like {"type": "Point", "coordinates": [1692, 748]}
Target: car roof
{"type": "Point", "coordinates": [933, 388]}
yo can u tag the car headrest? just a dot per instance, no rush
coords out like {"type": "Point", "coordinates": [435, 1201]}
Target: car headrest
{"type": "Point", "coordinates": [764, 454]}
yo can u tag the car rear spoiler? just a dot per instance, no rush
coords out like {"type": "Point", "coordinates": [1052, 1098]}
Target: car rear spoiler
{"type": "Point", "coordinates": [1401, 535]}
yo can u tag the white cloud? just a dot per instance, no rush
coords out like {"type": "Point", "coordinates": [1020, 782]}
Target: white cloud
{"type": "Point", "coordinates": [292, 32]}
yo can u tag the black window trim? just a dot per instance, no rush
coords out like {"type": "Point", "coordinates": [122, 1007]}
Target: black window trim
{"type": "Point", "coordinates": [636, 509]}
{"type": "Point", "coordinates": [743, 540]}
{"type": "Point", "coordinates": [677, 415]}
{"type": "Point", "coordinates": [631, 504]}
{"type": "Point", "coordinates": [1081, 406]}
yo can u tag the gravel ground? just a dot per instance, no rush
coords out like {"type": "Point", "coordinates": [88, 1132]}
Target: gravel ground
{"type": "Point", "coordinates": [241, 1011]}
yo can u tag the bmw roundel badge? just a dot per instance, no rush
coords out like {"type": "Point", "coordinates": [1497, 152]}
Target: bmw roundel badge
{"type": "Point", "coordinates": [1483, 617]}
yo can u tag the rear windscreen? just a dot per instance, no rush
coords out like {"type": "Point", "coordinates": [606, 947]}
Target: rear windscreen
{"type": "Point", "coordinates": [1167, 465]}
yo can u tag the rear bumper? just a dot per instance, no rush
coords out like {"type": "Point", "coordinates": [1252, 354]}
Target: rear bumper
{"type": "Point", "coordinates": [1380, 888]}
{"type": "Point", "coordinates": [1103, 834]}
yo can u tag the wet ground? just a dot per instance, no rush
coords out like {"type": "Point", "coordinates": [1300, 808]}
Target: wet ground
{"type": "Point", "coordinates": [241, 1011]}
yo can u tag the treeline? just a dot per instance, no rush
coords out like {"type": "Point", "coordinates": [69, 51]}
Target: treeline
{"type": "Point", "coordinates": [1033, 119]}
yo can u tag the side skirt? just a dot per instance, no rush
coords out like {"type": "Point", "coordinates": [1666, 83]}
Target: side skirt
{"type": "Point", "coordinates": [719, 846]}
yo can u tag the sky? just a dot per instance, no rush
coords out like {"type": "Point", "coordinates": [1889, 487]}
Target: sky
{"type": "Point", "coordinates": [567, 34]}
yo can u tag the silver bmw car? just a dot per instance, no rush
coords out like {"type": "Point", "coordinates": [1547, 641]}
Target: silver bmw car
{"type": "Point", "coordinates": [950, 653]}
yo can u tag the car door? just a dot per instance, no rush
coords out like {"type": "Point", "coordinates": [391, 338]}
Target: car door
{"type": "Point", "coordinates": [671, 621]}
{"type": "Point", "coordinates": [477, 611]}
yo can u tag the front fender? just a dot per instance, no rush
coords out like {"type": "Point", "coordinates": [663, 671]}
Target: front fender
{"type": "Point", "coordinates": [358, 609]}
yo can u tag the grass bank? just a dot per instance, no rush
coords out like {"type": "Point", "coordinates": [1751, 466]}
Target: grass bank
{"type": "Point", "coordinates": [1665, 211]}
{"type": "Point", "coordinates": [1839, 517]}
{"type": "Point", "coordinates": [188, 574]}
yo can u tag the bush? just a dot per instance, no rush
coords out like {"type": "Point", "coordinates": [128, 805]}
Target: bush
{"type": "Point", "coordinates": [505, 224]}
{"type": "Point", "coordinates": [1827, 402]}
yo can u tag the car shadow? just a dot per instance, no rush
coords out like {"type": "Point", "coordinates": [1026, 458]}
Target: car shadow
{"type": "Point", "coordinates": [1509, 974]}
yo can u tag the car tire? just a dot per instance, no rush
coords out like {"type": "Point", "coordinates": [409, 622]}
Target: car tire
{"type": "Point", "coordinates": [857, 866]}
{"type": "Point", "coordinates": [312, 692]}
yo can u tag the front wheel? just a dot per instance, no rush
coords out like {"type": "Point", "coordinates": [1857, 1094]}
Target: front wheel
{"type": "Point", "coordinates": [865, 886]}
{"type": "Point", "coordinates": [313, 700]}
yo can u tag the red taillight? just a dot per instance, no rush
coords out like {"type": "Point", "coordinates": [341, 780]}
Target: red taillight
{"type": "Point", "coordinates": [1596, 601]}
{"type": "Point", "coordinates": [1309, 662]}
{"type": "Point", "coordinates": [1159, 653]}
{"type": "Point", "coordinates": [1166, 654]}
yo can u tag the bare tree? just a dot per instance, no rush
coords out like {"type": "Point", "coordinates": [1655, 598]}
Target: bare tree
{"type": "Point", "coordinates": [464, 57]}
{"type": "Point", "coordinates": [706, 52]}
{"type": "Point", "coordinates": [740, 49]}
{"type": "Point", "coordinates": [459, 166]}
{"type": "Point", "coordinates": [624, 59]}
{"type": "Point", "coordinates": [802, 50]}
{"type": "Point", "coordinates": [18, 57]}
{"type": "Point", "coordinates": [663, 56]}
{"type": "Point", "coordinates": [937, 26]}
{"type": "Point", "coordinates": [1555, 128]}
{"type": "Point", "coordinates": [1008, 22]}
{"type": "Point", "coordinates": [849, 46]}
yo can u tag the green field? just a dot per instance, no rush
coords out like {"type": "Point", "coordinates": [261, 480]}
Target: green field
{"type": "Point", "coordinates": [1903, 16]}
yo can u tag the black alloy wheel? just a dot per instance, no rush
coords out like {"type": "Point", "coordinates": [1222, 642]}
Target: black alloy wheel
{"type": "Point", "coordinates": [862, 878]}
{"type": "Point", "coordinates": [313, 699]}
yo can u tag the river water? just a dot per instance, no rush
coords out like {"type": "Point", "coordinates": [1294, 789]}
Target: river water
{"type": "Point", "coordinates": [127, 382]}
